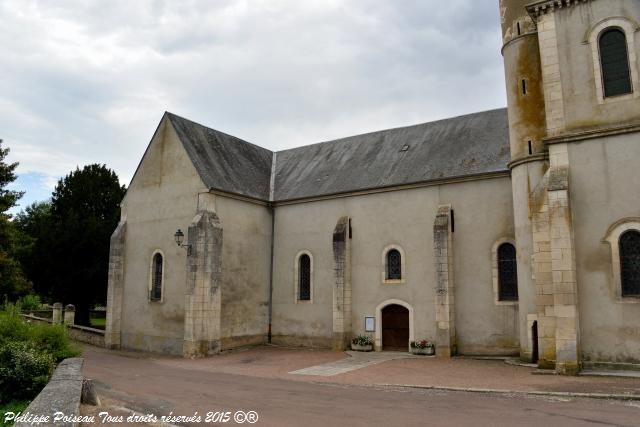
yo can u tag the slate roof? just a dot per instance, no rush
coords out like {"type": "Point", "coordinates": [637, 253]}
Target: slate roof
{"type": "Point", "coordinates": [225, 162]}
{"type": "Point", "coordinates": [462, 146]}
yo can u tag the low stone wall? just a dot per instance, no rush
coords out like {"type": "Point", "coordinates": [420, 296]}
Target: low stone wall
{"type": "Point", "coordinates": [60, 397]}
{"type": "Point", "coordinates": [88, 335]}
{"type": "Point", "coordinates": [79, 333]}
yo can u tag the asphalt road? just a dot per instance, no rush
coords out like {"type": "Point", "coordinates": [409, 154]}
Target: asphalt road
{"type": "Point", "coordinates": [148, 387]}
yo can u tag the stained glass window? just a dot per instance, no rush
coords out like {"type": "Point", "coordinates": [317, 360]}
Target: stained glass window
{"type": "Point", "coordinates": [304, 278]}
{"type": "Point", "coordinates": [394, 265]}
{"type": "Point", "coordinates": [630, 263]}
{"type": "Point", "coordinates": [507, 273]}
{"type": "Point", "coordinates": [156, 283]}
{"type": "Point", "coordinates": [614, 59]}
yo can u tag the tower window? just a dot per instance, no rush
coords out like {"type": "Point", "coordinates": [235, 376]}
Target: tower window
{"type": "Point", "coordinates": [524, 87]}
{"type": "Point", "coordinates": [304, 278]}
{"type": "Point", "coordinates": [629, 246]}
{"type": "Point", "coordinates": [614, 60]}
{"type": "Point", "coordinates": [394, 265]}
{"type": "Point", "coordinates": [507, 273]}
{"type": "Point", "coordinates": [519, 31]}
{"type": "Point", "coordinates": [530, 147]}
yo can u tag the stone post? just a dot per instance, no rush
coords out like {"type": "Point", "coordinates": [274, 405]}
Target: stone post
{"type": "Point", "coordinates": [204, 274]}
{"type": "Point", "coordinates": [115, 289]}
{"type": "Point", "coordinates": [445, 291]}
{"type": "Point", "coordinates": [342, 286]}
{"type": "Point", "coordinates": [69, 314]}
{"type": "Point", "coordinates": [57, 313]}
{"type": "Point", "coordinates": [563, 266]}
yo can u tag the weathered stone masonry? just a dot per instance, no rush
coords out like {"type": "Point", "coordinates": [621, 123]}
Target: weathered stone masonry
{"type": "Point", "coordinates": [115, 290]}
{"type": "Point", "coordinates": [342, 286]}
{"type": "Point", "coordinates": [203, 300]}
{"type": "Point", "coordinates": [555, 272]}
{"type": "Point", "coordinates": [445, 293]}
{"type": "Point", "coordinates": [563, 269]}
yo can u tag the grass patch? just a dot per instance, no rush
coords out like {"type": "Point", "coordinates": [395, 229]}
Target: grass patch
{"type": "Point", "coordinates": [99, 322]}
{"type": "Point", "coordinates": [13, 406]}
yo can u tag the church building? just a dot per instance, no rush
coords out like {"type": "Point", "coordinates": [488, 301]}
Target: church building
{"type": "Point", "coordinates": [512, 232]}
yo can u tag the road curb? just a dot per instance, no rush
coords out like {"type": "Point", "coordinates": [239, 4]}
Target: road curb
{"type": "Point", "coordinates": [631, 397]}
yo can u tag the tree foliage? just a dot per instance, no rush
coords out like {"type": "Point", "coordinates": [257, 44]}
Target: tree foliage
{"type": "Point", "coordinates": [35, 227]}
{"type": "Point", "coordinates": [66, 252]}
{"type": "Point", "coordinates": [85, 209]}
{"type": "Point", "coordinates": [12, 281]}
{"type": "Point", "coordinates": [8, 198]}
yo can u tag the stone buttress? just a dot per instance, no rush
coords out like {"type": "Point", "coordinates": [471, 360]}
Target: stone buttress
{"type": "Point", "coordinates": [204, 272]}
{"type": "Point", "coordinates": [115, 290]}
{"type": "Point", "coordinates": [342, 285]}
{"type": "Point", "coordinates": [445, 291]}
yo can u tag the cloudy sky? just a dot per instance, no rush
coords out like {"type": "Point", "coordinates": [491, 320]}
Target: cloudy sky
{"type": "Point", "coordinates": [87, 81]}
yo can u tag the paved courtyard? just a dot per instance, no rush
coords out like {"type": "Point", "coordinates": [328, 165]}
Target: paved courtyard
{"type": "Point", "coordinates": [355, 360]}
{"type": "Point", "coordinates": [304, 387]}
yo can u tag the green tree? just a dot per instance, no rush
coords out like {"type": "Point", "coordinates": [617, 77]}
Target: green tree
{"type": "Point", "coordinates": [35, 225]}
{"type": "Point", "coordinates": [12, 282]}
{"type": "Point", "coordinates": [85, 209]}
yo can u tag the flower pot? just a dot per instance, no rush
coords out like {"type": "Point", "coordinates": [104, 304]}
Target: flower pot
{"type": "Point", "coordinates": [429, 351]}
{"type": "Point", "coordinates": [358, 347]}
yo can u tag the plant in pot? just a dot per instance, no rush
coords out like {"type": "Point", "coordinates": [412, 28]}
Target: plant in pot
{"type": "Point", "coordinates": [362, 343]}
{"type": "Point", "coordinates": [424, 347]}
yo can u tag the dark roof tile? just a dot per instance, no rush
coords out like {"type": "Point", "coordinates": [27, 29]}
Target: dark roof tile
{"type": "Point", "coordinates": [462, 146]}
{"type": "Point", "coordinates": [225, 162]}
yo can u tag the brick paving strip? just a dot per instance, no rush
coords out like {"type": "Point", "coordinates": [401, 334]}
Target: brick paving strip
{"type": "Point", "coordinates": [357, 360]}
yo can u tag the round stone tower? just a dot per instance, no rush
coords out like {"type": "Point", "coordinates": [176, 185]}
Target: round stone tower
{"type": "Point", "coordinates": [527, 128]}
{"type": "Point", "coordinates": [525, 96]}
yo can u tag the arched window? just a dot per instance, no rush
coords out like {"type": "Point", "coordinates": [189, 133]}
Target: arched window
{"type": "Point", "coordinates": [155, 293]}
{"type": "Point", "coordinates": [394, 265]}
{"type": "Point", "coordinates": [614, 60]}
{"type": "Point", "coordinates": [304, 278]}
{"type": "Point", "coordinates": [629, 246]}
{"type": "Point", "coordinates": [507, 273]}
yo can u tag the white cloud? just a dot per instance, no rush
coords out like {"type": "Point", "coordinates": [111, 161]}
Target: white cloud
{"type": "Point", "coordinates": [87, 82]}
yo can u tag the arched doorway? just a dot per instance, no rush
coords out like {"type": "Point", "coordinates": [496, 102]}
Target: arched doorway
{"type": "Point", "coordinates": [534, 342]}
{"type": "Point", "coordinates": [395, 328]}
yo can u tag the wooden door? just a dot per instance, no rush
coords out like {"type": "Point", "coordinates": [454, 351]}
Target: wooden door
{"type": "Point", "coordinates": [534, 344]}
{"type": "Point", "coordinates": [395, 328]}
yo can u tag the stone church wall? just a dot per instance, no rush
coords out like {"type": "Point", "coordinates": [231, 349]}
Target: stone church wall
{"type": "Point", "coordinates": [596, 138]}
{"type": "Point", "coordinates": [162, 197]}
{"type": "Point", "coordinates": [246, 253]}
{"type": "Point", "coordinates": [304, 227]}
{"type": "Point", "coordinates": [571, 67]}
{"type": "Point", "coordinates": [483, 214]}
{"type": "Point", "coordinates": [604, 182]}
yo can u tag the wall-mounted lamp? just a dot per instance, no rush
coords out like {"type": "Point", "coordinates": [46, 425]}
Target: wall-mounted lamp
{"type": "Point", "coordinates": [179, 237]}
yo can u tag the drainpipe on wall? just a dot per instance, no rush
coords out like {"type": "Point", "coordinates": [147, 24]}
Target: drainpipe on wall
{"type": "Point", "coordinates": [273, 222]}
{"type": "Point", "coordinates": [272, 186]}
